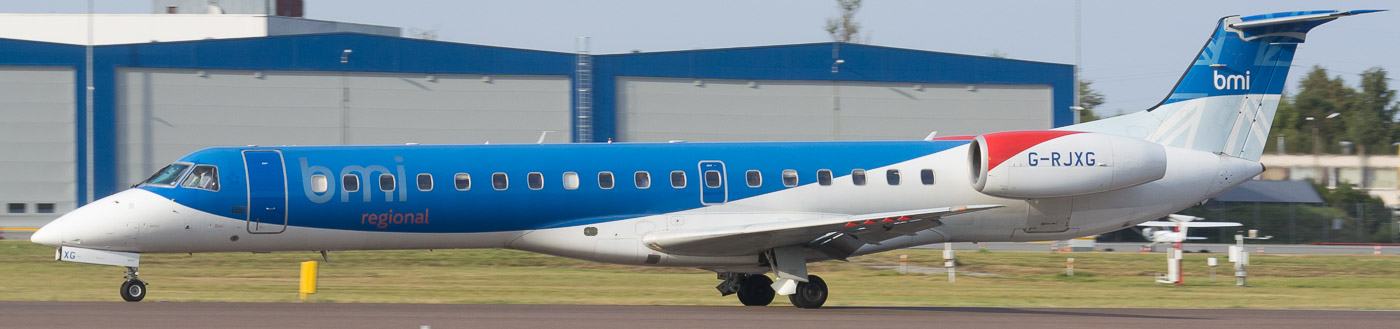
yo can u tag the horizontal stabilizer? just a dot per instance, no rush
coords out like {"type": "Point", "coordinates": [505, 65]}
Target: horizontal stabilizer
{"type": "Point", "coordinates": [1261, 21]}
{"type": "Point", "coordinates": [754, 238]}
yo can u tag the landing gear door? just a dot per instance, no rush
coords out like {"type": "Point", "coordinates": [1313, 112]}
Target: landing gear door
{"type": "Point", "coordinates": [1048, 215]}
{"type": "Point", "coordinates": [713, 189]}
{"type": "Point", "coordinates": [267, 191]}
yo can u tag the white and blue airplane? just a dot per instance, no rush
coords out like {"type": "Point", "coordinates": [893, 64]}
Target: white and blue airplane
{"type": "Point", "coordinates": [741, 210]}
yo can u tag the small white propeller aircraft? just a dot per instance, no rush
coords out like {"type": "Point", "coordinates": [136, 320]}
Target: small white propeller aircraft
{"type": "Point", "coordinates": [1179, 225]}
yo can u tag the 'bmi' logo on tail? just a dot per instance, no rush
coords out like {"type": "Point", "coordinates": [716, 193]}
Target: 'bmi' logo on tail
{"type": "Point", "coordinates": [1231, 81]}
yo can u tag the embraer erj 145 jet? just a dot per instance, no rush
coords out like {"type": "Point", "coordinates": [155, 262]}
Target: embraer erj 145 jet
{"type": "Point", "coordinates": [741, 210]}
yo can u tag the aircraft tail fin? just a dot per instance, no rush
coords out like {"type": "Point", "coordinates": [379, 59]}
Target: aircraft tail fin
{"type": "Point", "coordinates": [1225, 103]}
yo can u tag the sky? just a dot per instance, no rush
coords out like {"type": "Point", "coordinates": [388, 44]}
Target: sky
{"type": "Point", "coordinates": [1133, 51]}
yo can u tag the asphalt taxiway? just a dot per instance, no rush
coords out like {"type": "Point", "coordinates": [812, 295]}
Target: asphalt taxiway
{"type": "Point", "coordinates": [1218, 248]}
{"type": "Point", "coordinates": [158, 315]}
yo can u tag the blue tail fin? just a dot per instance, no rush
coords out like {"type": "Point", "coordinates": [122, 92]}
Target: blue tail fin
{"type": "Point", "coordinates": [1225, 102]}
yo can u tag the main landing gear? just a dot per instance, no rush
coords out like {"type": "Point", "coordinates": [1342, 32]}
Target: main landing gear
{"type": "Point", "coordinates": [753, 289]}
{"type": "Point", "coordinates": [757, 290]}
{"type": "Point", "coordinates": [810, 294]}
{"type": "Point", "coordinates": [789, 266]}
{"type": "Point", "coordinates": [133, 290]}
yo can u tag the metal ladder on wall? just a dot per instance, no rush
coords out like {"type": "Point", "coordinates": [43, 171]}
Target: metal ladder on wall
{"type": "Point", "coordinates": [583, 94]}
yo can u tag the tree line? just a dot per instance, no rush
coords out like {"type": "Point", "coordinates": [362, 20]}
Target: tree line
{"type": "Point", "coordinates": [1329, 117]}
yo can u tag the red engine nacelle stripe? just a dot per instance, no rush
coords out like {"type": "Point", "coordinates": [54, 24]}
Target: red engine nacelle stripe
{"type": "Point", "coordinates": [1002, 146]}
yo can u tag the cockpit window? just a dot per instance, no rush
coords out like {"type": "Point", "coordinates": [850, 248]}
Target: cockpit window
{"type": "Point", "coordinates": [168, 176]}
{"type": "Point", "coordinates": [204, 177]}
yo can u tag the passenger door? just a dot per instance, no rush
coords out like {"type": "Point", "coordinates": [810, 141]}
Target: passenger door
{"type": "Point", "coordinates": [267, 191]}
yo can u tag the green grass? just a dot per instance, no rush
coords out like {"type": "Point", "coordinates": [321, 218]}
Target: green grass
{"type": "Point", "coordinates": [1026, 279]}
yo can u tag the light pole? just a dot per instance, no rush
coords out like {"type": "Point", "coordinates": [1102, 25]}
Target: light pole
{"type": "Point", "coordinates": [1077, 45]}
{"type": "Point", "coordinates": [1317, 144]}
{"type": "Point", "coordinates": [836, 91]}
{"type": "Point", "coordinates": [344, 96]}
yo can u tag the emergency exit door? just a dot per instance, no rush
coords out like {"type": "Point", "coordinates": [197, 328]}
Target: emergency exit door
{"type": "Point", "coordinates": [713, 189]}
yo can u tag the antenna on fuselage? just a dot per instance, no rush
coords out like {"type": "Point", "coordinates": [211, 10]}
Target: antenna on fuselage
{"type": "Point", "coordinates": [930, 135]}
{"type": "Point", "coordinates": [543, 133]}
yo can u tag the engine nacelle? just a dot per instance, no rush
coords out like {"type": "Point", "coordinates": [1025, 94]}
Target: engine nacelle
{"type": "Point", "coordinates": [1050, 164]}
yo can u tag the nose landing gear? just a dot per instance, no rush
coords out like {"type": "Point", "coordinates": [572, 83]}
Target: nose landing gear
{"type": "Point", "coordinates": [133, 290]}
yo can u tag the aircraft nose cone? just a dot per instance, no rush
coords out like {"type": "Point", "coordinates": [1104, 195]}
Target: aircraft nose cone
{"type": "Point", "coordinates": [47, 235]}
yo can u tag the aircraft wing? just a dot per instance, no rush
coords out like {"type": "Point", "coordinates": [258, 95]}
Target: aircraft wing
{"type": "Point", "coordinates": [1190, 224]}
{"type": "Point", "coordinates": [843, 233]}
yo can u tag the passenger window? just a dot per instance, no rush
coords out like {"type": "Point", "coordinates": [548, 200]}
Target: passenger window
{"type": "Point", "coordinates": [570, 180]}
{"type": "Point", "coordinates": [643, 179]}
{"type": "Point", "coordinates": [754, 178]}
{"type": "Point", "coordinates": [926, 176]}
{"type": "Point", "coordinates": [789, 178]}
{"type": "Point", "coordinates": [386, 182]}
{"type": "Point", "coordinates": [499, 181]}
{"type": "Point", "coordinates": [605, 180]}
{"type": "Point", "coordinates": [712, 179]}
{"type": "Point", "coordinates": [892, 176]}
{"type": "Point", "coordinates": [462, 181]}
{"type": "Point", "coordinates": [425, 182]}
{"type": "Point", "coordinates": [858, 177]}
{"type": "Point", "coordinates": [318, 183]}
{"type": "Point", "coordinates": [206, 177]}
{"type": "Point", "coordinates": [824, 177]}
{"type": "Point", "coordinates": [534, 180]}
{"type": "Point", "coordinates": [678, 179]}
{"type": "Point", "coordinates": [351, 183]}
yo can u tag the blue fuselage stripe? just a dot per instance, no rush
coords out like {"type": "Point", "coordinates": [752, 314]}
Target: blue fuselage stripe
{"type": "Point", "coordinates": [519, 207]}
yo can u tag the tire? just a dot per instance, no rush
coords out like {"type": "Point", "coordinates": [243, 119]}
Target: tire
{"type": "Point", "coordinates": [756, 290]}
{"type": "Point", "coordinates": [810, 294]}
{"type": "Point", "coordinates": [133, 291]}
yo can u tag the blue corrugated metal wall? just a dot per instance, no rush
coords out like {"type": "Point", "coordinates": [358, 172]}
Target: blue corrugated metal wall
{"type": "Point", "coordinates": [322, 52]}
{"type": "Point", "coordinates": [814, 62]}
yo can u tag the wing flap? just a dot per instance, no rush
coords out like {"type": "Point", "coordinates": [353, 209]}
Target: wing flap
{"type": "Point", "coordinates": [754, 238]}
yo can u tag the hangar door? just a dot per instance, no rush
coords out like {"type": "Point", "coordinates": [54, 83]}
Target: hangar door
{"type": "Point", "coordinates": [166, 113]}
{"type": "Point", "coordinates": [38, 145]}
{"type": "Point", "coordinates": [661, 109]}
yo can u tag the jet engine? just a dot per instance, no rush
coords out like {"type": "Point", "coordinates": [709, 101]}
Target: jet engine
{"type": "Point", "coordinates": [1050, 164]}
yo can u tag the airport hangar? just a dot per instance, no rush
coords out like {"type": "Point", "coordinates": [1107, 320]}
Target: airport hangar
{"type": "Point", "coordinates": [154, 102]}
